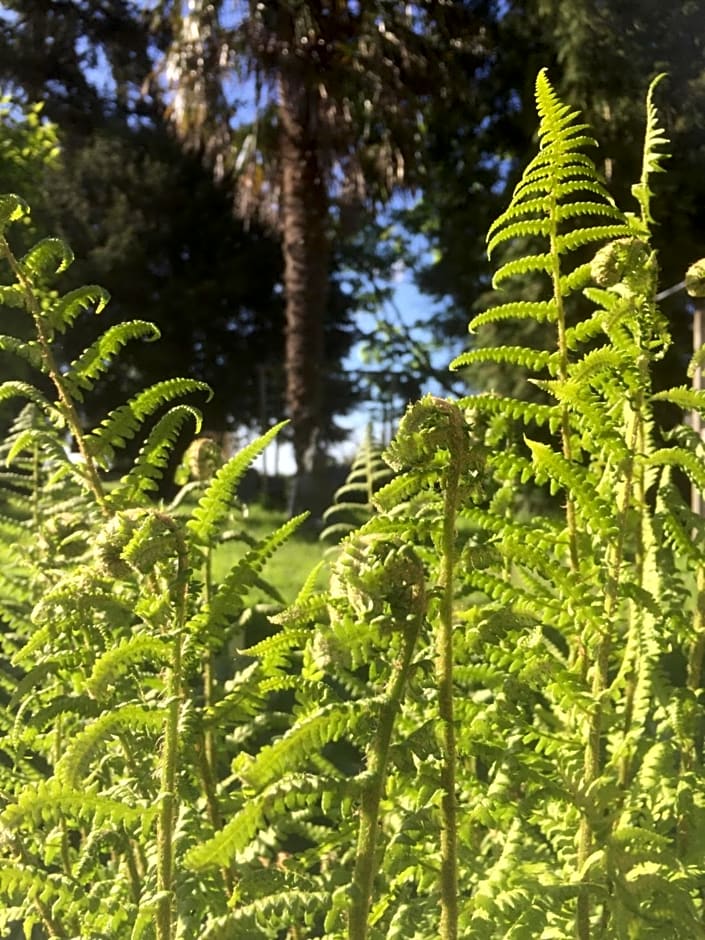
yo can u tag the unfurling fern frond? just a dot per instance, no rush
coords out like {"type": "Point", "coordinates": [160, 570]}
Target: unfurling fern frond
{"type": "Point", "coordinates": [654, 140]}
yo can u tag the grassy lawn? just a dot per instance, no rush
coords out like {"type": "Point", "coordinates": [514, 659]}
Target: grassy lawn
{"type": "Point", "coordinates": [289, 566]}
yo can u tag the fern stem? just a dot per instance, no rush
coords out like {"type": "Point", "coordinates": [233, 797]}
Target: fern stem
{"type": "Point", "coordinates": [378, 756]}
{"type": "Point", "coordinates": [444, 678]}
{"type": "Point", "coordinates": [168, 796]}
{"type": "Point", "coordinates": [68, 407]}
{"type": "Point", "coordinates": [592, 759]}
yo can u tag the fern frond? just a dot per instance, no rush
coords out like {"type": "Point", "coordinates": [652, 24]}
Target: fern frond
{"type": "Point", "coordinates": [527, 412]}
{"type": "Point", "coordinates": [49, 256]}
{"type": "Point", "coordinates": [16, 389]}
{"type": "Point", "coordinates": [559, 472]}
{"type": "Point", "coordinates": [49, 800]}
{"type": "Point", "coordinates": [531, 359]}
{"type": "Point", "coordinates": [123, 422]}
{"type": "Point", "coordinates": [654, 139]}
{"type": "Point", "coordinates": [97, 358]}
{"type": "Point", "coordinates": [215, 503]}
{"type": "Point", "coordinates": [62, 314]}
{"type": "Point", "coordinates": [684, 397]}
{"type": "Point", "coordinates": [306, 738]}
{"type": "Point", "coordinates": [277, 798]}
{"type": "Point", "coordinates": [73, 765]}
{"type": "Point", "coordinates": [113, 663]}
{"type": "Point", "coordinates": [24, 349]}
{"type": "Point", "coordinates": [529, 264]}
{"type": "Point", "coordinates": [240, 579]}
{"type": "Point", "coordinates": [594, 233]}
{"type": "Point", "coordinates": [541, 311]}
{"type": "Point", "coordinates": [12, 209]}
{"type": "Point", "coordinates": [154, 455]}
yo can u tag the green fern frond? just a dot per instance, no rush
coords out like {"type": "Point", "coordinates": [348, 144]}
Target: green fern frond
{"type": "Point", "coordinates": [684, 397]}
{"type": "Point", "coordinates": [584, 236]}
{"type": "Point", "coordinates": [532, 359]}
{"type": "Point", "coordinates": [73, 765]}
{"type": "Point", "coordinates": [215, 503]}
{"type": "Point", "coordinates": [123, 422]}
{"type": "Point", "coordinates": [48, 257]}
{"type": "Point", "coordinates": [682, 458]}
{"type": "Point", "coordinates": [113, 663]}
{"type": "Point", "coordinates": [49, 800]}
{"type": "Point", "coordinates": [240, 579]}
{"type": "Point", "coordinates": [654, 139]}
{"type": "Point", "coordinates": [530, 264]}
{"type": "Point", "coordinates": [527, 412]}
{"type": "Point", "coordinates": [542, 311]}
{"type": "Point", "coordinates": [306, 738]}
{"type": "Point", "coordinates": [561, 473]}
{"type": "Point", "coordinates": [16, 389]}
{"type": "Point", "coordinates": [43, 441]}
{"type": "Point", "coordinates": [97, 358]}
{"type": "Point", "coordinates": [12, 209]}
{"type": "Point", "coordinates": [278, 797]}
{"type": "Point", "coordinates": [154, 455]}
{"type": "Point", "coordinates": [24, 349]}
{"type": "Point", "coordinates": [62, 314]}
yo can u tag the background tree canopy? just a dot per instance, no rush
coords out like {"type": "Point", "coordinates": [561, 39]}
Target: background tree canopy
{"type": "Point", "coordinates": [176, 127]}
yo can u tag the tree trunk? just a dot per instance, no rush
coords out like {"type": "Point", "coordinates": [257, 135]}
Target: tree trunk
{"type": "Point", "coordinates": [306, 265]}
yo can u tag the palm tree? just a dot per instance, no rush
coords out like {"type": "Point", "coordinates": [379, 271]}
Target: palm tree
{"type": "Point", "coordinates": [345, 83]}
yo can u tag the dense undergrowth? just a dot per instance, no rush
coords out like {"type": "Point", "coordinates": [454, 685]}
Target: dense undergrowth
{"type": "Point", "coordinates": [485, 726]}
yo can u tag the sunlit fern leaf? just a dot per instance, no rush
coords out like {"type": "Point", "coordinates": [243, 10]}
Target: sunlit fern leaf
{"type": "Point", "coordinates": [154, 455]}
{"type": "Point", "coordinates": [276, 911]}
{"type": "Point", "coordinates": [74, 763]}
{"type": "Point", "coordinates": [62, 314]}
{"type": "Point", "coordinates": [151, 650]}
{"type": "Point", "coordinates": [653, 156]}
{"type": "Point", "coordinates": [527, 412]}
{"type": "Point", "coordinates": [293, 791]}
{"type": "Point", "coordinates": [352, 502]}
{"type": "Point", "coordinates": [97, 358]}
{"type": "Point", "coordinates": [688, 462]}
{"type": "Point", "coordinates": [217, 501]}
{"type": "Point", "coordinates": [24, 349]}
{"type": "Point", "coordinates": [542, 311]}
{"type": "Point", "coordinates": [16, 389]}
{"type": "Point", "coordinates": [12, 209]}
{"type": "Point", "coordinates": [553, 467]}
{"type": "Point", "coordinates": [49, 256]}
{"type": "Point", "coordinates": [49, 800]}
{"type": "Point", "coordinates": [306, 738]}
{"type": "Point", "coordinates": [123, 422]}
{"type": "Point", "coordinates": [239, 580]}
{"type": "Point", "coordinates": [684, 397]}
{"type": "Point", "coordinates": [551, 192]}
{"type": "Point", "coordinates": [532, 359]}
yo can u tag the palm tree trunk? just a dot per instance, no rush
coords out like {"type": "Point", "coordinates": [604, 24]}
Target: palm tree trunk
{"type": "Point", "coordinates": [306, 264]}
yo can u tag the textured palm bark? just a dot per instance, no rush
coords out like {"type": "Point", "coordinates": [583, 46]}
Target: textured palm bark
{"type": "Point", "coordinates": [306, 263]}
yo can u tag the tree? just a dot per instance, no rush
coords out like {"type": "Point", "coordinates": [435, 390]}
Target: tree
{"type": "Point", "coordinates": [210, 282]}
{"type": "Point", "coordinates": [345, 85]}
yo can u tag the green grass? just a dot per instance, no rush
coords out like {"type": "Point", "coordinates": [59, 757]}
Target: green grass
{"type": "Point", "coordinates": [289, 566]}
